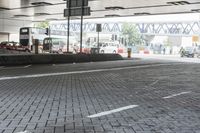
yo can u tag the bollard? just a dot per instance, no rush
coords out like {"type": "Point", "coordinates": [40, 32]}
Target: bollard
{"type": "Point", "coordinates": [129, 52]}
{"type": "Point", "coordinates": [36, 44]}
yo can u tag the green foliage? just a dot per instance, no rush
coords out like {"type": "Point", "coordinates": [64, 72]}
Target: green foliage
{"type": "Point", "coordinates": [131, 33]}
{"type": "Point", "coordinates": [44, 24]}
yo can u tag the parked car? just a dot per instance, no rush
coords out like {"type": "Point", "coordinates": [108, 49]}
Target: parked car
{"type": "Point", "coordinates": [109, 47]}
{"type": "Point", "coordinates": [197, 50]}
{"type": "Point", "coordinates": [13, 46]}
{"type": "Point", "coordinates": [86, 49]}
{"type": "Point", "coordinates": [188, 52]}
{"type": "Point", "coordinates": [5, 45]}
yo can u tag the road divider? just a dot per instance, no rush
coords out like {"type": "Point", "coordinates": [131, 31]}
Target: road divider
{"type": "Point", "coordinates": [6, 60]}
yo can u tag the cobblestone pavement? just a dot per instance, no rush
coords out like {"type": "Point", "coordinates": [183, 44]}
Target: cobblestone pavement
{"type": "Point", "coordinates": [167, 98]}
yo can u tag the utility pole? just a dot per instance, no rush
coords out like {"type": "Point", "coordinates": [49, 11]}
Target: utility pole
{"type": "Point", "coordinates": [68, 23]}
{"type": "Point", "coordinates": [77, 8]}
{"type": "Point", "coordinates": [98, 30]}
{"type": "Point", "coordinates": [81, 32]}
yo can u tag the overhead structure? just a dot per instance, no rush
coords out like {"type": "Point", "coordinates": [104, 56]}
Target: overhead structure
{"type": "Point", "coordinates": [170, 29]}
{"type": "Point", "coordinates": [41, 10]}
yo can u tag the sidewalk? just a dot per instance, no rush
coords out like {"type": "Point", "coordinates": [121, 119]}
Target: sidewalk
{"type": "Point", "coordinates": [174, 58]}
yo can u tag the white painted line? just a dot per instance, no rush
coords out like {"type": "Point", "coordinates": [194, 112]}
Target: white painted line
{"type": "Point", "coordinates": [174, 95]}
{"type": "Point", "coordinates": [9, 68]}
{"type": "Point", "coordinates": [27, 66]}
{"type": "Point", "coordinates": [24, 132]}
{"type": "Point", "coordinates": [78, 72]}
{"type": "Point", "coordinates": [155, 82]}
{"type": "Point", "coordinates": [112, 111]}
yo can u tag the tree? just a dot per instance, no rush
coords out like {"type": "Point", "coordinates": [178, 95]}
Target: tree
{"type": "Point", "coordinates": [131, 33]}
{"type": "Point", "coordinates": [44, 24]}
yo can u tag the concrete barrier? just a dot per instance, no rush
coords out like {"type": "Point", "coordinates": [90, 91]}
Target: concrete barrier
{"type": "Point", "coordinates": [6, 60]}
{"type": "Point", "coordinates": [105, 57]}
{"type": "Point", "coordinates": [56, 59]}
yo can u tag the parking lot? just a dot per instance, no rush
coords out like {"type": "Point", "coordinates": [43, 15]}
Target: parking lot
{"type": "Point", "coordinates": [130, 96]}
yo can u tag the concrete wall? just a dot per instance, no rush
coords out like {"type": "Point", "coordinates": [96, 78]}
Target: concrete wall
{"type": "Point", "coordinates": [9, 29]}
{"type": "Point", "coordinates": [175, 40]}
{"type": "Point", "coordinates": [4, 37]}
{"type": "Point", "coordinates": [186, 41]}
{"type": "Point", "coordinates": [55, 58]}
{"type": "Point", "coordinates": [14, 37]}
{"type": "Point", "coordinates": [12, 26]}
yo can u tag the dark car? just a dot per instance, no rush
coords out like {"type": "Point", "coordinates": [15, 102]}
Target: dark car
{"type": "Point", "coordinates": [188, 52]}
{"type": "Point", "coordinates": [13, 46]}
{"type": "Point", "coordinates": [6, 45]}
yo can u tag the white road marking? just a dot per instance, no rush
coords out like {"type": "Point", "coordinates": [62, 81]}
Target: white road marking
{"type": "Point", "coordinates": [174, 95]}
{"type": "Point", "coordinates": [24, 132]}
{"type": "Point", "coordinates": [112, 111]}
{"type": "Point", "coordinates": [78, 72]}
{"type": "Point", "coordinates": [155, 82]}
{"type": "Point", "coordinates": [27, 66]}
{"type": "Point", "coordinates": [15, 67]}
{"type": "Point", "coordinates": [61, 65]}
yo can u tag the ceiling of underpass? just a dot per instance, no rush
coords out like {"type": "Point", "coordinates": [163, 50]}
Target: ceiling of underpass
{"type": "Point", "coordinates": [40, 10]}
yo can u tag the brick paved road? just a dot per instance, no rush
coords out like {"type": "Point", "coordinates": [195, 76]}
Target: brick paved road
{"type": "Point", "coordinates": [62, 103]}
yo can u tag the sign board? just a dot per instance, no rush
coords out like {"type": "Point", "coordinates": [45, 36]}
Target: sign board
{"type": "Point", "coordinates": [77, 12]}
{"type": "Point", "coordinates": [98, 28]}
{"type": "Point", "coordinates": [76, 3]}
{"type": "Point", "coordinates": [195, 38]}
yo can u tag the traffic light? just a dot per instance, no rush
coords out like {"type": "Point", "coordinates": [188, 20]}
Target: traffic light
{"type": "Point", "coordinates": [47, 31]}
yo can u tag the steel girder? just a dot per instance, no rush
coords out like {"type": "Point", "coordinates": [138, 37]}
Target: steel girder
{"type": "Point", "coordinates": [181, 29]}
{"type": "Point", "coordinates": [88, 27]}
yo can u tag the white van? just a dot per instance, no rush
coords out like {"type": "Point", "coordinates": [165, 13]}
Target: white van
{"type": "Point", "coordinates": [57, 45]}
{"type": "Point", "coordinates": [109, 47]}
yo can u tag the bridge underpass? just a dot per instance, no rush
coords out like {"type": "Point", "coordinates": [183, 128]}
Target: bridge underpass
{"type": "Point", "coordinates": [136, 95]}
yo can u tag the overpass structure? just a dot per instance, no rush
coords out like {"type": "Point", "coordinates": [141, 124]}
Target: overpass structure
{"type": "Point", "coordinates": [162, 28]}
{"type": "Point", "coordinates": [170, 29]}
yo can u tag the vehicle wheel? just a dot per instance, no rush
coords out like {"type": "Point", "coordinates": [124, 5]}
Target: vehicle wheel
{"type": "Point", "coordinates": [192, 56]}
{"type": "Point", "coordinates": [114, 52]}
{"type": "Point", "coordinates": [40, 50]}
{"type": "Point", "coordinates": [102, 51]}
{"type": "Point", "coordinates": [27, 51]}
{"type": "Point", "coordinates": [59, 51]}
